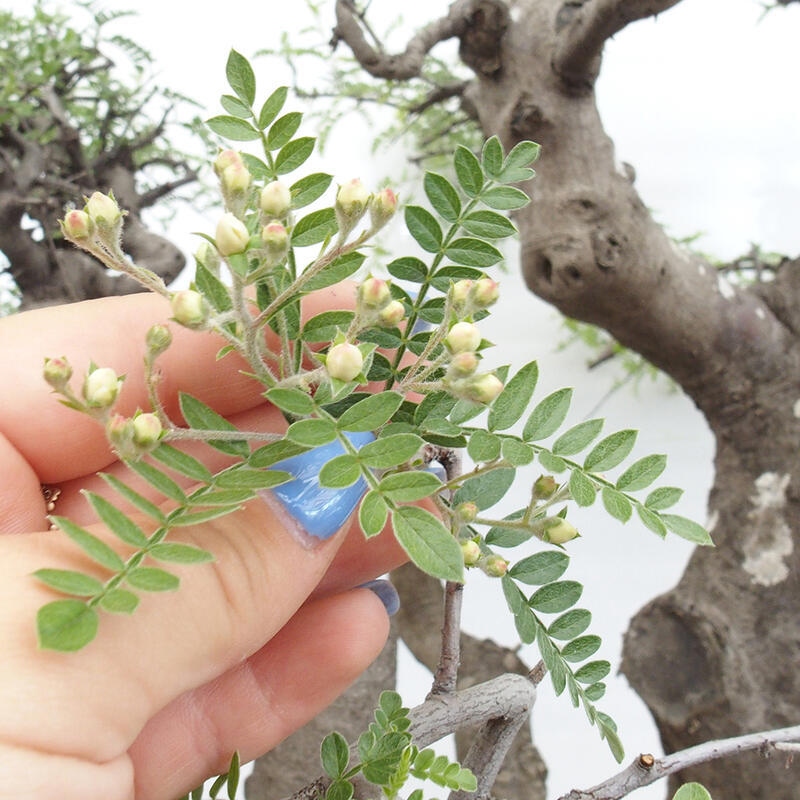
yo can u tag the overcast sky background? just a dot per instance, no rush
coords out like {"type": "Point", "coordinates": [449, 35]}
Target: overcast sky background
{"type": "Point", "coordinates": [703, 103]}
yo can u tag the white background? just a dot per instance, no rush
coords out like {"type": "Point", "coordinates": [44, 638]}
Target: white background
{"type": "Point", "coordinates": [702, 103]}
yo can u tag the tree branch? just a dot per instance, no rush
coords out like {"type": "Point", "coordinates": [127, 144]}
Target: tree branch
{"type": "Point", "coordinates": [646, 769]}
{"type": "Point", "coordinates": [585, 28]}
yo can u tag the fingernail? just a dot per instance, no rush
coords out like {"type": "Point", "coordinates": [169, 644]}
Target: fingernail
{"type": "Point", "coordinates": [318, 511]}
{"type": "Point", "coordinates": [386, 593]}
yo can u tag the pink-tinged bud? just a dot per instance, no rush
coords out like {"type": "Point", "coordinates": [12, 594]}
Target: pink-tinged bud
{"type": "Point", "coordinates": [460, 291]}
{"type": "Point", "coordinates": [463, 337]}
{"type": "Point", "coordinates": [101, 387]}
{"type": "Point", "coordinates": [189, 308]}
{"type": "Point", "coordinates": [471, 552]}
{"type": "Point", "coordinates": [158, 339]}
{"type": "Point", "coordinates": [231, 235]}
{"type": "Point", "coordinates": [462, 365]}
{"type": "Point", "coordinates": [147, 430]}
{"type": "Point", "coordinates": [235, 179]}
{"type": "Point", "coordinates": [485, 292]}
{"type": "Point", "coordinates": [544, 487]}
{"type": "Point", "coordinates": [373, 293]}
{"type": "Point", "coordinates": [382, 208]}
{"type": "Point", "coordinates": [225, 159]}
{"type": "Point", "coordinates": [104, 210]}
{"type": "Point", "coordinates": [344, 362]}
{"type": "Point", "coordinates": [391, 315]}
{"type": "Point", "coordinates": [479, 389]}
{"type": "Point", "coordinates": [352, 198]}
{"type": "Point", "coordinates": [276, 242]}
{"type": "Point", "coordinates": [276, 200]}
{"type": "Point", "coordinates": [78, 225]}
{"type": "Point", "coordinates": [119, 431]}
{"type": "Point", "coordinates": [467, 512]}
{"type": "Point", "coordinates": [495, 566]}
{"type": "Point", "coordinates": [558, 530]}
{"type": "Point", "coordinates": [57, 372]}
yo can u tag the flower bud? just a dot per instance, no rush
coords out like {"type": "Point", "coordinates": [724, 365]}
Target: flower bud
{"type": "Point", "coordinates": [104, 210]}
{"type": "Point", "coordinates": [344, 362]}
{"type": "Point", "coordinates": [373, 293]}
{"type": "Point", "coordinates": [460, 291]}
{"type": "Point", "coordinates": [101, 387]}
{"type": "Point", "coordinates": [235, 179]}
{"type": "Point", "coordinates": [147, 430]}
{"type": "Point", "coordinates": [77, 225]}
{"type": "Point", "coordinates": [544, 487]}
{"type": "Point", "coordinates": [231, 235]}
{"type": "Point", "coordinates": [276, 242]}
{"type": "Point", "coordinates": [462, 365]}
{"type": "Point", "coordinates": [495, 566]}
{"type": "Point", "coordinates": [485, 292]}
{"type": "Point", "coordinates": [119, 431]}
{"type": "Point", "coordinates": [382, 207]}
{"type": "Point", "coordinates": [158, 338]}
{"type": "Point", "coordinates": [57, 372]}
{"type": "Point", "coordinates": [463, 337]}
{"type": "Point", "coordinates": [467, 511]}
{"type": "Point", "coordinates": [225, 159]}
{"type": "Point", "coordinates": [478, 389]}
{"type": "Point", "coordinates": [472, 553]}
{"type": "Point", "coordinates": [351, 205]}
{"type": "Point", "coordinates": [392, 314]}
{"type": "Point", "coordinates": [189, 308]}
{"type": "Point", "coordinates": [276, 200]}
{"type": "Point", "coordinates": [557, 530]}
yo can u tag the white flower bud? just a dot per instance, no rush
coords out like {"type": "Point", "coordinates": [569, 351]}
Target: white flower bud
{"type": "Point", "coordinates": [147, 430]}
{"type": "Point", "coordinates": [101, 387]}
{"type": "Point", "coordinates": [344, 362]}
{"type": "Point", "coordinates": [276, 200]}
{"type": "Point", "coordinates": [104, 210]}
{"type": "Point", "coordinates": [557, 530]}
{"type": "Point", "coordinates": [392, 314]}
{"type": "Point", "coordinates": [57, 372]}
{"type": "Point", "coordinates": [471, 552]}
{"type": "Point", "coordinates": [231, 235]}
{"type": "Point", "coordinates": [463, 337]}
{"type": "Point", "coordinates": [189, 308]}
{"type": "Point", "coordinates": [382, 208]}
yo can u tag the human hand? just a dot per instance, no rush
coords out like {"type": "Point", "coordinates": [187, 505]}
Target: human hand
{"type": "Point", "coordinates": [247, 651]}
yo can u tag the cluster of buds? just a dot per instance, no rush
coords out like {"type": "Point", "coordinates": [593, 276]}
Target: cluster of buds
{"type": "Point", "coordinates": [234, 180]}
{"type": "Point", "coordinates": [468, 296]}
{"type": "Point", "coordinates": [375, 306]}
{"type": "Point", "coordinates": [462, 342]}
{"type": "Point", "coordinates": [99, 223]}
{"type": "Point", "coordinates": [353, 201]}
{"type": "Point", "coordinates": [134, 437]}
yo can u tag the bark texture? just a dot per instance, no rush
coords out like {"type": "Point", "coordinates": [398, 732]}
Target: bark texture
{"type": "Point", "coordinates": [717, 655]}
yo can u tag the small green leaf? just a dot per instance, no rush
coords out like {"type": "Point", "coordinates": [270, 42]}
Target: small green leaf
{"type": "Point", "coordinates": [292, 401]}
{"type": "Point", "coordinates": [339, 790]}
{"type": "Point", "coordinates": [158, 480]}
{"type": "Point", "coordinates": [593, 671]}
{"type": "Point", "coordinates": [408, 487]}
{"type": "Point", "coordinates": [96, 549]}
{"type": "Point", "coordinates": [551, 462]}
{"type": "Point", "coordinates": [272, 107]}
{"type": "Point", "coordinates": [468, 171]}
{"type": "Point", "coordinates": [282, 130]}
{"type": "Point", "coordinates": [642, 473]}
{"type": "Point", "coordinates": [199, 415]}
{"type": "Point", "coordinates": [312, 432]}
{"type": "Point", "coordinates": [522, 155]}
{"type": "Point", "coordinates": [294, 154]}
{"type": "Point", "coordinates": [500, 536]}
{"type": "Point", "coordinates": [323, 327]}
{"type": "Point", "coordinates": [182, 463]}
{"type": "Point", "coordinates": [234, 106]}
{"type": "Point", "coordinates": [212, 288]}
{"type": "Point", "coordinates": [308, 189]}
{"type": "Point", "coordinates": [663, 497]}
{"type": "Point", "coordinates": [687, 529]}
{"type": "Point", "coordinates": [548, 415]}
{"type": "Point", "coordinates": [556, 597]}
{"type": "Point", "coordinates": [595, 691]}
{"type": "Point", "coordinates": [272, 453]}
{"type": "Point", "coordinates": [473, 252]}
{"type": "Point", "coordinates": [179, 553]}
{"type": "Point", "coordinates": [185, 518]}
{"type": "Point", "coordinates": [422, 225]}
{"type": "Point", "coordinates": [335, 754]}
{"type": "Point", "coordinates": [611, 451]}
{"type": "Point", "coordinates": [370, 413]}
{"type": "Point", "coordinates": [442, 196]}
{"type": "Point", "coordinates": [571, 624]}
{"type": "Point", "coordinates": [340, 472]}
{"type": "Point", "coordinates": [492, 157]}
{"type": "Point", "coordinates": [233, 128]}
{"type": "Point", "coordinates": [524, 620]}
{"type": "Point", "coordinates": [314, 227]}
{"type": "Point", "coordinates": [540, 568]}
{"type": "Point", "coordinates": [69, 582]}
{"type": "Point", "coordinates": [408, 268]}
{"type": "Point", "coordinates": [241, 77]}
{"type": "Point", "coordinates": [119, 523]}
{"type": "Point", "coordinates": [233, 776]}
{"type": "Point", "coordinates": [119, 601]}
{"type": "Point", "coordinates": [488, 225]}
{"type": "Point", "coordinates": [152, 579]}
{"type": "Point", "coordinates": [487, 489]}
{"type": "Point", "coordinates": [505, 198]}
{"type": "Point", "coordinates": [517, 453]}
{"type": "Point", "coordinates": [390, 451]}
{"type": "Point", "coordinates": [582, 488]}
{"type": "Point", "coordinates": [692, 791]}
{"type": "Point", "coordinates": [582, 648]}
{"type": "Point", "coordinates": [372, 514]}
{"type": "Point", "coordinates": [483, 446]}
{"type": "Point", "coordinates": [617, 504]}
{"type": "Point", "coordinates": [652, 521]}
{"type": "Point", "coordinates": [511, 403]}
{"type": "Point", "coordinates": [133, 497]}
{"type": "Point", "coordinates": [66, 625]}
{"type": "Point", "coordinates": [428, 543]}
{"type": "Point", "coordinates": [577, 438]}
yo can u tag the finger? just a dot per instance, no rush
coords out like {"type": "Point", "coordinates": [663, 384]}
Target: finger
{"type": "Point", "coordinates": [258, 703]}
